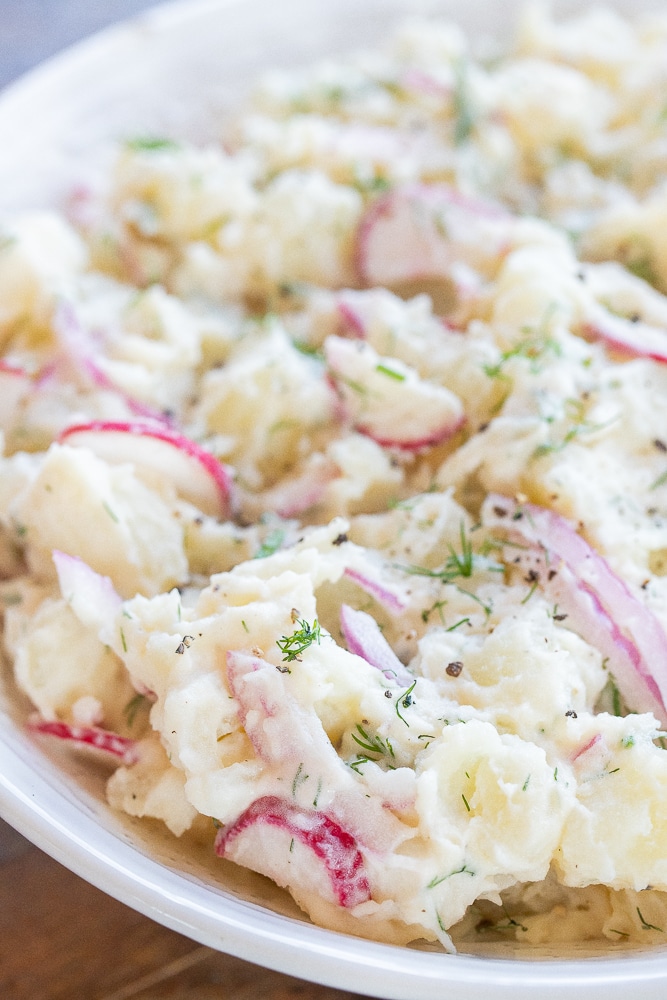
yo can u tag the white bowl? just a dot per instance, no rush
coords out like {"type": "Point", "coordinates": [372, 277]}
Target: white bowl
{"type": "Point", "coordinates": [176, 70]}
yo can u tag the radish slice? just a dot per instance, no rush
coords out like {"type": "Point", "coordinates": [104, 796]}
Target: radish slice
{"type": "Point", "coordinates": [271, 823]}
{"type": "Point", "coordinates": [91, 595]}
{"type": "Point", "coordinates": [90, 738]}
{"type": "Point", "coordinates": [387, 401]}
{"type": "Point", "coordinates": [80, 352]}
{"type": "Point", "coordinates": [637, 340]}
{"type": "Point", "coordinates": [598, 604]}
{"type": "Point", "coordinates": [195, 473]}
{"type": "Point", "coordinates": [352, 321]}
{"type": "Point", "coordinates": [364, 638]}
{"type": "Point", "coordinates": [420, 231]}
{"type": "Point", "coordinates": [389, 599]}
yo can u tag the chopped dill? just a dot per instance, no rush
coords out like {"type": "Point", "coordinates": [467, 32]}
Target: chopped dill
{"type": "Point", "coordinates": [292, 646]}
{"type": "Point", "coordinates": [463, 870]}
{"type": "Point", "coordinates": [132, 708]}
{"type": "Point", "coordinates": [271, 543]}
{"type": "Point", "coordinates": [373, 744]}
{"type": "Point", "coordinates": [660, 481]}
{"type": "Point", "coordinates": [112, 514]}
{"type": "Point", "coordinates": [465, 116]}
{"type": "Point", "coordinates": [646, 926]}
{"type": "Point", "coordinates": [461, 563]}
{"type": "Point", "coordinates": [299, 778]}
{"type": "Point", "coordinates": [405, 700]}
{"type": "Point", "coordinates": [390, 372]}
{"type": "Point", "coordinates": [461, 621]}
{"type": "Point", "coordinates": [151, 144]}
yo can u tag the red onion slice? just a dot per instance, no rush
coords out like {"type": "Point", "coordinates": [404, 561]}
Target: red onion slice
{"type": "Point", "coordinates": [363, 637]}
{"type": "Point", "coordinates": [93, 596]}
{"type": "Point", "coordinates": [598, 603]}
{"type": "Point", "coordinates": [390, 600]}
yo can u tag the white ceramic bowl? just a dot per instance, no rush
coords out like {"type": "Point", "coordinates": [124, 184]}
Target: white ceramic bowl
{"type": "Point", "coordinates": [176, 70]}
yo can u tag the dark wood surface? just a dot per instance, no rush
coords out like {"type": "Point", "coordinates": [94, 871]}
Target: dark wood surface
{"type": "Point", "coordinates": [63, 939]}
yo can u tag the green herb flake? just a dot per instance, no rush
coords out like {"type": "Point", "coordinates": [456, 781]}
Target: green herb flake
{"type": "Point", "coordinates": [465, 116]}
{"type": "Point", "coordinates": [461, 621]}
{"type": "Point", "coordinates": [464, 870]}
{"type": "Point", "coordinates": [299, 778]}
{"type": "Point", "coordinates": [132, 708]}
{"type": "Point", "coordinates": [660, 481]}
{"type": "Point", "coordinates": [12, 599]}
{"type": "Point", "coordinates": [110, 512]}
{"type": "Point", "coordinates": [271, 543]}
{"type": "Point", "coordinates": [390, 372]}
{"type": "Point", "coordinates": [646, 926]}
{"type": "Point", "coordinates": [373, 743]}
{"type": "Point", "coordinates": [151, 144]}
{"type": "Point", "coordinates": [405, 700]}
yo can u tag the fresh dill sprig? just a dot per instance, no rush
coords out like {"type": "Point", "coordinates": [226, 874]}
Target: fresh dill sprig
{"type": "Point", "coordinates": [292, 646]}
{"type": "Point", "coordinates": [458, 564]}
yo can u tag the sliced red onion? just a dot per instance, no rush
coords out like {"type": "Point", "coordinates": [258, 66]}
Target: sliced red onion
{"type": "Point", "coordinates": [334, 849]}
{"type": "Point", "coordinates": [195, 473]}
{"type": "Point", "coordinates": [389, 599]}
{"type": "Point", "coordinates": [92, 738]}
{"type": "Point", "coordinates": [599, 605]}
{"type": "Point", "coordinates": [92, 595]}
{"type": "Point", "coordinates": [364, 638]}
{"type": "Point", "coordinates": [594, 740]}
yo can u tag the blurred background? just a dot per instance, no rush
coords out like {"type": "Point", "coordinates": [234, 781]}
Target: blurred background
{"type": "Point", "coordinates": [33, 30]}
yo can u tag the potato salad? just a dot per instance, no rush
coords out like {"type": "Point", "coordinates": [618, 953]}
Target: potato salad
{"type": "Point", "coordinates": [333, 495]}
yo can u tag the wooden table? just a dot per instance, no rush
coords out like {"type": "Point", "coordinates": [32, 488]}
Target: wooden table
{"type": "Point", "coordinates": [62, 939]}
